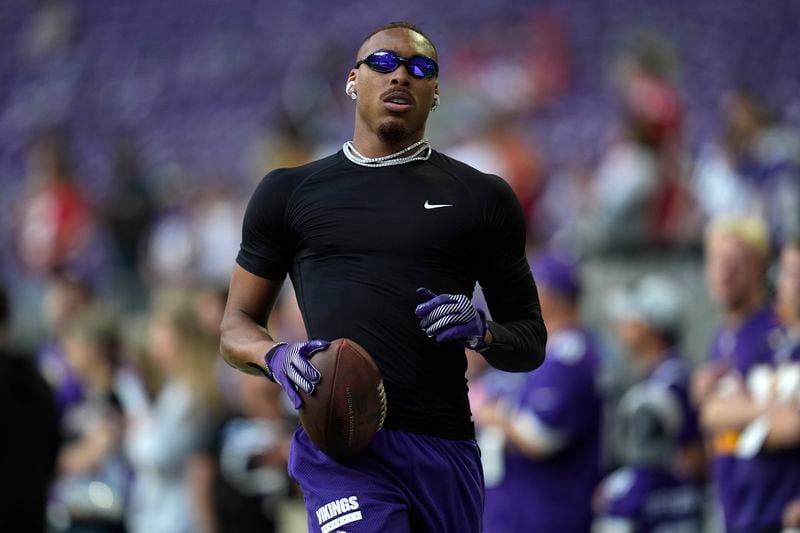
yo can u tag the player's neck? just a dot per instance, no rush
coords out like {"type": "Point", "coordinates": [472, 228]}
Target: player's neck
{"type": "Point", "coordinates": [736, 314]}
{"type": "Point", "coordinates": [653, 353]}
{"type": "Point", "coordinates": [369, 144]}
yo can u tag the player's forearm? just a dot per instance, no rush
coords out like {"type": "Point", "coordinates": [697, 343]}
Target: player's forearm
{"type": "Point", "coordinates": [528, 448]}
{"type": "Point", "coordinates": [243, 343]}
{"type": "Point", "coordinates": [516, 346]}
{"type": "Point", "coordinates": [724, 414]}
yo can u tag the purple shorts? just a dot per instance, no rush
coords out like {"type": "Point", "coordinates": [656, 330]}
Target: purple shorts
{"type": "Point", "coordinates": [402, 482]}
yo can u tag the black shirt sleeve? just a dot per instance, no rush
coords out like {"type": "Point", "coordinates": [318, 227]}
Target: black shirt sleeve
{"type": "Point", "coordinates": [267, 243]}
{"type": "Point", "coordinates": [518, 331]}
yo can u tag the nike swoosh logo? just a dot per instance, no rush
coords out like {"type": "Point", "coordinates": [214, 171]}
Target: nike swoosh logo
{"type": "Point", "coordinates": [429, 205]}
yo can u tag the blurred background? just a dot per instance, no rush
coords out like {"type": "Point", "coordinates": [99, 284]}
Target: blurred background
{"type": "Point", "coordinates": [133, 133]}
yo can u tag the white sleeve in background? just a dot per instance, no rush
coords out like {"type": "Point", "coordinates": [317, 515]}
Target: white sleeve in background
{"type": "Point", "coordinates": [538, 435]}
{"type": "Point", "coordinates": [613, 524]}
{"type": "Point", "coordinates": [163, 439]}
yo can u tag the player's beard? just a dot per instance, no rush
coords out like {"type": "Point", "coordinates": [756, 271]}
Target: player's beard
{"type": "Point", "coordinates": [392, 133]}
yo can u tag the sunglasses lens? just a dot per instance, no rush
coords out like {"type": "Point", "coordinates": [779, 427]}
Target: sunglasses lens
{"type": "Point", "coordinates": [422, 67]}
{"type": "Point", "coordinates": [383, 61]}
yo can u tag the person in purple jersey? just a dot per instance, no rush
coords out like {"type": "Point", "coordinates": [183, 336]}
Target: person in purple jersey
{"type": "Point", "coordinates": [736, 258]}
{"type": "Point", "coordinates": [543, 477]}
{"type": "Point", "coordinates": [765, 409]}
{"type": "Point", "coordinates": [648, 494]}
{"type": "Point", "coordinates": [384, 242]}
{"type": "Point", "coordinates": [648, 324]}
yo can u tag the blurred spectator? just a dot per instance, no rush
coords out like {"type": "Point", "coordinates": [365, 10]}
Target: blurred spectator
{"type": "Point", "coordinates": [29, 436]}
{"type": "Point", "coordinates": [54, 217]}
{"type": "Point", "coordinates": [216, 225]}
{"type": "Point", "coordinates": [648, 494]}
{"type": "Point", "coordinates": [648, 323]}
{"type": "Point", "coordinates": [736, 258]}
{"type": "Point", "coordinates": [93, 476]}
{"type": "Point", "coordinates": [507, 150]}
{"type": "Point", "coordinates": [283, 144]}
{"type": "Point", "coordinates": [51, 28]}
{"type": "Point", "coordinates": [65, 296]}
{"type": "Point", "coordinates": [171, 247]}
{"type": "Point", "coordinates": [128, 210]}
{"type": "Point", "coordinates": [246, 457]}
{"type": "Point", "coordinates": [163, 434]}
{"type": "Point", "coordinates": [551, 423]}
{"type": "Point", "coordinates": [764, 407]}
{"type": "Point", "coordinates": [638, 198]}
{"type": "Point", "coordinates": [193, 237]}
{"type": "Point", "coordinates": [754, 168]}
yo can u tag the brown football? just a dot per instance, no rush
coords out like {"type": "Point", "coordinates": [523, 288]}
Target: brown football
{"type": "Point", "coordinates": [348, 405]}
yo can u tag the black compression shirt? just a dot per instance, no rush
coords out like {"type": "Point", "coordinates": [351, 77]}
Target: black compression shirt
{"type": "Point", "coordinates": [357, 243]}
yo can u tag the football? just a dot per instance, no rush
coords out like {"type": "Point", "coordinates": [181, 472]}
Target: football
{"type": "Point", "coordinates": [348, 405]}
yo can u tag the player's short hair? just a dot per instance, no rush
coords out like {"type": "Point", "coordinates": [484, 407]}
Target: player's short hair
{"type": "Point", "coordinates": [400, 24]}
{"type": "Point", "coordinates": [751, 230]}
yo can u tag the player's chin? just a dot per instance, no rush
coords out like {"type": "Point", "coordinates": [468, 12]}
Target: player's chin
{"type": "Point", "coordinates": [393, 130]}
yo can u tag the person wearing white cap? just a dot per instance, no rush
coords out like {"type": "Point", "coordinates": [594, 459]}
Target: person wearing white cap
{"type": "Point", "coordinates": [656, 435]}
{"type": "Point", "coordinates": [648, 320]}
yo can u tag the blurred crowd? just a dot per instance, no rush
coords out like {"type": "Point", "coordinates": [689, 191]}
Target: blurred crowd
{"type": "Point", "coordinates": [133, 422]}
{"type": "Point", "coordinates": [116, 412]}
{"type": "Point", "coordinates": [710, 448]}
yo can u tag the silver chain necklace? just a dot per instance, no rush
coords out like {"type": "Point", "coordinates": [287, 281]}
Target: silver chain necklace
{"type": "Point", "coordinates": [419, 151]}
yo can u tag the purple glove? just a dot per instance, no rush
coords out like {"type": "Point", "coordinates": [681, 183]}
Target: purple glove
{"type": "Point", "coordinates": [451, 317]}
{"type": "Point", "coordinates": [288, 366]}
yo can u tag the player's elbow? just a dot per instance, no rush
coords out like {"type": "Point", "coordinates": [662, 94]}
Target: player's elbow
{"type": "Point", "coordinates": [536, 358]}
{"type": "Point", "coordinates": [224, 350]}
{"type": "Point", "coordinates": [228, 351]}
{"type": "Point", "coordinates": [532, 356]}
{"type": "Point", "coordinates": [528, 361]}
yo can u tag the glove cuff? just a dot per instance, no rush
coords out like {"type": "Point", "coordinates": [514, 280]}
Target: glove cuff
{"type": "Point", "coordinates": [478, 343]}
{"type": "Point", "coordinates": [268, 360]}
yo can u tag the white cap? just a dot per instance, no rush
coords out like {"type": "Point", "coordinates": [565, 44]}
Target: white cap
{"type": "Point", "coordinates": [654, 300]}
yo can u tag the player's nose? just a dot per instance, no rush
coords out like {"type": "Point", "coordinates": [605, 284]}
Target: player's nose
{"type": "Point", "coordinates": [401, 77]}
